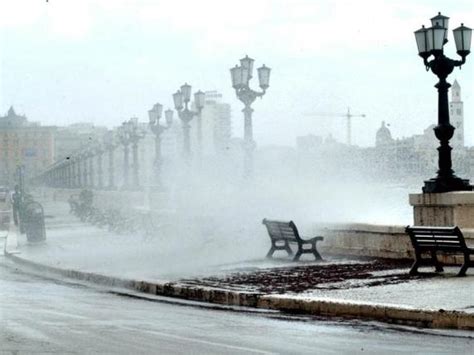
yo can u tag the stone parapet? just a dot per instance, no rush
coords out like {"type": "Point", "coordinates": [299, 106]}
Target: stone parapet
{"type": "Point", "coordinates": [365, 240]}
{"type": "Point", "coordinates": [444, 209]}
{"type": "Point", "coordinates": [375, 241]}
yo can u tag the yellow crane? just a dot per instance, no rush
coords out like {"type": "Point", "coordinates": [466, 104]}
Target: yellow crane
{"type": "Point", "coordinates": [348, 117]}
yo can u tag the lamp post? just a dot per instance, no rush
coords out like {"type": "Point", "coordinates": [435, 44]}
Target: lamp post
{"type": "Point", "coordinates": [430, 42]}
{"type": "Point", "coordinates": [181, 100]}
{"type": "Point", "coordinates": [99, 151]}
{"type": "Point", "coordinates": [135, 135]}
{"type": "Point", "coordinates": [73, 171]}
{"type": "Point", "coordinates": [79, 159]}
{"type": "Point", "coordinates": [90, 159]}
{"type": "Point", "coordinates": [124, 139]}
{"type": "Point", "coordinates": [69, 173]}
{"type": "Point", "coordinates": [241, 76]}
{"type": "Point", "coordinates": [85, 171]}
{"type": "Point", "coordinates": [110, 145]}
{"type": "Point", "coordinates": [155, 115]}
{"type": "Point", "coordinates": [76, 171]}
{"type": "Point", "coordinates": [131, 134]}
{"type": "Point", "coordinates": [199, 99]}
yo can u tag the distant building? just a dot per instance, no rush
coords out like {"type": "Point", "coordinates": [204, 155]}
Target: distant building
{"type": "Point", "coordinates": [70, 139]}
{"type": "Point", "coordinates": [23, 143]}
{"type": "Point", "coordinates": [383, 137]}
{"type": "Point", "coordinates": [456, 113]}
{"type": "Point", "coordinates": [308, 143]}
{"type": "Point", "coordinates": [216, 125]}
{"type": "Point", "coordinates": [391, 158]}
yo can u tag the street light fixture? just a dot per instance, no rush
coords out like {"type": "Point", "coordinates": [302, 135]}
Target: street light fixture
{"type": "Point", "coordinates": [84, 155]}
{"type": "Point", "coordinates": [110, 145]}
{"type": "Point", "coordinates": [430, 42]}
{"type": "Point", "coordinates": [181, 100]}
{"type": "Point", "coordinates": [99, 150]}
{"type": "Point", "coordinates": [199, 100]}
{"type": "Point", "coordinates": [134, 134]}
{"type": "Point", "coordinates": [124, 139]}
{"type": "Point", "coordinates": [155, 126]}
{"type": "Point", "coordinates": [241, 76]}
{"type": "Point", "coordinates": [90, 160]}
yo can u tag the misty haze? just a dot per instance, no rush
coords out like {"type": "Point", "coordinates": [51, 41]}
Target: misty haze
{"type": "Point", "coordinates": [213, 177]}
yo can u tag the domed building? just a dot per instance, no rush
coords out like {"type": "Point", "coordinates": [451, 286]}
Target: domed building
{"type": "Point", "coordinates": [383, 137]}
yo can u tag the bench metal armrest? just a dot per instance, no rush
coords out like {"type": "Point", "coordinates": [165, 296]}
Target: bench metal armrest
{"type": "Point", "coordinates": [317, 238]}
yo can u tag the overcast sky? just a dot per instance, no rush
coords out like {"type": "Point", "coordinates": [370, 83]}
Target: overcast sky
{"type": "Point", "coordinates": [103, 61]}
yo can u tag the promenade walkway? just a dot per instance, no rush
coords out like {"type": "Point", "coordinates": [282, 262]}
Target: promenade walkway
{"type": "Point", "coordinates": [216, 269]}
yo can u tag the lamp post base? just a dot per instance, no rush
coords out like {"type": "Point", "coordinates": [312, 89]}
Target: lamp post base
{"type": "Point", "coordinates": [446, 184]}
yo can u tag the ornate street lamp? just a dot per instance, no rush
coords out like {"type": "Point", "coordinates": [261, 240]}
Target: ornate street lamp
{"type": "Point", "coordinates": [241, 76]}
{"type": "Point", "coordinates": [72, 177]}
{"type": "Point", "coordinates": [99, 150]}
{"type": "Point", "coordinates": [124, 139]}
{"type": "Point", "coordinates": [70, 172]}
{"type": "Point", "coordinates": [430, 42]}
{"type": "Point", "coordinates": [199, 100]}
{"type": "Point", "coordinates": [85, 168]}
{"type": "Point", "coordinates": [131, 133]}
{"type": "Point", "coordinates": [110, 145]}
{"type": "Point", "coordinates": [90, 158]}
{"type": "Point", "coordinates": [181, 100]}
{"type": "Point", "coordinates": [76, 171]}
{"type": "Point", "coordinates": [79, 173]}
{"type": "Point", "coordinates": [135, 135]}
{"type": "Point", "coordinates": [155, 115]}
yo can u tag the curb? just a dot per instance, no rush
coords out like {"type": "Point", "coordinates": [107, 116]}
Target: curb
{"type": "Point", "coordinates": [317, 307]}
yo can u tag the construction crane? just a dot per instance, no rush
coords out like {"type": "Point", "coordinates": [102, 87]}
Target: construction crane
{"type": "Point", "coordinates": [348, 116]}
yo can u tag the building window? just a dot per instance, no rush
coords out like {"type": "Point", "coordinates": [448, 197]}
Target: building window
{"type": "Point", "coordinates": [458, 111]}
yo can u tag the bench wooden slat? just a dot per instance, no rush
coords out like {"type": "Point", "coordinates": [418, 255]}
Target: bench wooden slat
{"type": "Point", "coordinates": [419, 229]}
{"type": "Point", "coordinates": [440, 242]}
{"type": "Point", "coordinates": [439, 247]}
{"type": "Point", "coordinates": [436, 237]}
{"type": "Point", "coordinates": [441, 231]}
{"type": "Point", "coordinates": [424, 236]}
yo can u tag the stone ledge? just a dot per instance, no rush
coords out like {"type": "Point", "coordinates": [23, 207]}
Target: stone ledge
{"type": "Point", "coordinates": [443, 199]}
{"type": "Point", "coordinates": [375, 241]}
{"type": "Point", "coordinates": [362, 228]}
{"type": "Point", "coordinates": [390, 314]}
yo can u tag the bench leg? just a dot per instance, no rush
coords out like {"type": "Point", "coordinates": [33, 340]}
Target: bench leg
{"type": "Point", "coordinates": [316, 253]}
{"type": "Point", "coordinates": [414, 268]}
{"type": "Point", "coordinates": [270, 252]}
{"type": "Point", "coordinates": [436, 263]}
{"type": "Point", "coordinates": [288, 249]}
{"type": "Point", "coordinates": [416, 264]}
{"type": "Point", "coordinates": [298, 254]}
{"type": "Point", "coordinates": [463, 270]}
{"type": "Point", "coordinates": [464, 266]}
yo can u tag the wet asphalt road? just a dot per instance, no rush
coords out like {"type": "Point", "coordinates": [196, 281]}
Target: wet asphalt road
{"type": "Point", "coordinates": [39, 315]}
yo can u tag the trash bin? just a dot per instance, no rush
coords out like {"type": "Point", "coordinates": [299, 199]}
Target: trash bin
{"type": "Point", "coordinates": [33, 222]}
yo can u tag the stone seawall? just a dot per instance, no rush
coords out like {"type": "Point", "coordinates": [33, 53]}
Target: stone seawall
{"type": "Point", "coordinates": [375, 241]}
{"type": "Point", "coordinates": [366, 240]}
{"type": "Point", "coordinates": [354, 239]}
